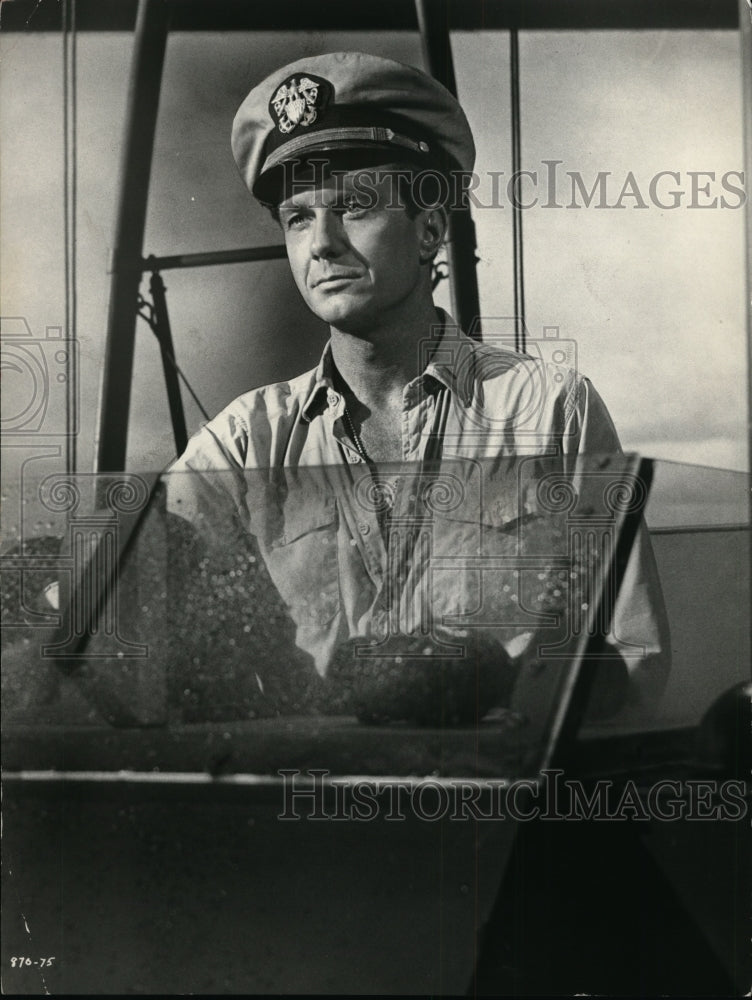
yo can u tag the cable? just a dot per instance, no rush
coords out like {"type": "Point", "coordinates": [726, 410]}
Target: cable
{"type": "Point", "coordinates": [519, 280]}
{"type": "Point", "coordinates": [146, 313]}
{"type": "Point", "coordinates": [186, 383]}
{"type": "Point", "coordinates": [66, 232]}
{"type": "Point", "coordinates": [70, 193]}
{"type": "Point", "coordinates": [72, 354]}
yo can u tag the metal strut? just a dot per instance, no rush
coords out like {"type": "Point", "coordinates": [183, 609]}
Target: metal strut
{"type": "Point", "coordinates": [156, 315]}
{"type": "Point", "coordinates": [433, 22]}
{"type": "Point", "coordinates": [163, 333]}
{"type": "Point", "coordinates": [135, 168]}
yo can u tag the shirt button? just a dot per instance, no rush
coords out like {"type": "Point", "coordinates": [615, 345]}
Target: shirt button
{"type": "Point", "coordinates": [332, 398]}
{"type": "Point", "coordinates": [353, 458]}
{"type": "Point", "coordinates": [364, 529]}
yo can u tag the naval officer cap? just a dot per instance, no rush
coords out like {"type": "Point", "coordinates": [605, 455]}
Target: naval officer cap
{"type": "Point", "coordinates": [348, 102]}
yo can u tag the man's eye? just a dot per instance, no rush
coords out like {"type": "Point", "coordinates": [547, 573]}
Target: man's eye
{"type": "Point", "coordinates": [296, 221]}
{"type": "Point", "coordinates": [353, 209]}
{"type": "Point", "coordinates": [356, 212]}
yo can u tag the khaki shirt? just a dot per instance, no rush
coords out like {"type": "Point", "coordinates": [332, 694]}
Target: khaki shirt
{"type": "Point", "coordinates": [485, 426]}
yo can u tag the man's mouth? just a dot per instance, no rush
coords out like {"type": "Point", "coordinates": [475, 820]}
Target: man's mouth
{"type": "Point", "coordinates": [331, 279]}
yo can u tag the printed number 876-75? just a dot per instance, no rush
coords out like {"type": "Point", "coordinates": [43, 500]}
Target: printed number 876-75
{"type": "Point", "coordinates": [18, 961]}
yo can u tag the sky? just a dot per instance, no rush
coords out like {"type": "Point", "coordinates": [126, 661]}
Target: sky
{"type": "Point", "coordinates": [649, 300]}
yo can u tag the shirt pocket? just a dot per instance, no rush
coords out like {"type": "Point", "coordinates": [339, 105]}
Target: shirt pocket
{"type": "Point", "coordinates": [297, 538]}
{"type": "Point", "coordinates": [460, 586]}
{"type": "Point", "coordinates": [503, 556]}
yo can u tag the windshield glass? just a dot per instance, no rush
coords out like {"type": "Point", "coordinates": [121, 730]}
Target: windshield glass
{"type": "Point", "coordinates": [408, 619]}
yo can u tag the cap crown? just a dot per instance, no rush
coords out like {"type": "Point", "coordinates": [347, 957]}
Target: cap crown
{"type": "Point", "coordinates": [349, 100]}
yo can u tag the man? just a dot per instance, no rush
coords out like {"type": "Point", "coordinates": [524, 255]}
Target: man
{"type": "Point", "coordinates": [339, 147]}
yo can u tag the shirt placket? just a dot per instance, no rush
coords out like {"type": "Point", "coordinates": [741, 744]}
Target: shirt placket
{"type": "Point", "coordinates": [361, 521]}
{"type": "Point", "coordinates": [406, 523]}
{"type": "Point", "coordinates": [368, 531]}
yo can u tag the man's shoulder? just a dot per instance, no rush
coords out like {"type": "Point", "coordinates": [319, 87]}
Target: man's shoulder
{"type": "Point", "coordinates": [277, 399]}
{"type": "Point", "coordinates": [248, 432]}
{"type": "Point", "coordinates": [539, 353]}
{"type": "Point", "coordinates": [494, 364]}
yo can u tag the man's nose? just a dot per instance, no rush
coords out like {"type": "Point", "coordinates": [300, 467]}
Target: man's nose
{"type": "Point", "coordinates": [327, 239]}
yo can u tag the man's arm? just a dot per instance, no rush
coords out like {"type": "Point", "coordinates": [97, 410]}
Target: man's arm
{"type": "Point", "coordinates": [639, 629]}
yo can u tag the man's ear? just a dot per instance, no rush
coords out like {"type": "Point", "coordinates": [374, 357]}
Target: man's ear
{"type": "Point", "coordinates": [434, 227]}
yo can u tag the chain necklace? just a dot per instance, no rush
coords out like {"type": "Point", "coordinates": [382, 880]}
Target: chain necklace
{"type": "Point", "coordinates": [357, 441]}
{"type": "Point", "coordinates": [388, 489]}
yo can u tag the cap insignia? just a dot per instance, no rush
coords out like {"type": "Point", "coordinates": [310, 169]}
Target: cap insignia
{"type": "Point", "coordinates": [300, 100]}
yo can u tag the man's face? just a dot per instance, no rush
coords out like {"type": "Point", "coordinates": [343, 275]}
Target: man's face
{"type": "Point", "coordinates": [354, 251]}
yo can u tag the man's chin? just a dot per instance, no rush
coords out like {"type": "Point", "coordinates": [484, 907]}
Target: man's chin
{"type": "Point", "coordinates": [349, 317]}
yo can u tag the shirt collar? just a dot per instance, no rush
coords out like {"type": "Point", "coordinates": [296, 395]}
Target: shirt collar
{"type": "Point", "coordinates": [449, 364]}
{"type": "Point", "coordinates": [450, 360]}
{"type": "Point", "coordinates": [323, 384]}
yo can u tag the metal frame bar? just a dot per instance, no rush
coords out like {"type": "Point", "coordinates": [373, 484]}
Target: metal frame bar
{"type": "Point", "coordinates": [135, 170]}
{"type": "Point", "coordinates": [212, 257]}
{"type": "Point", "coordinates": [163, 333]}
{"type": "Point", "coordinates": [433, 23]}
{"type": "Point", "coordinates": [334, 15]}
